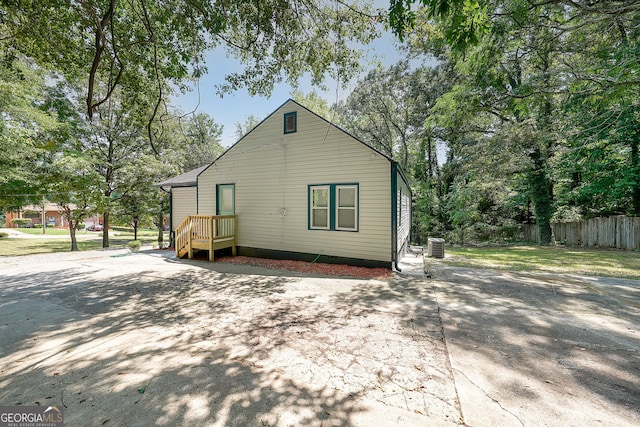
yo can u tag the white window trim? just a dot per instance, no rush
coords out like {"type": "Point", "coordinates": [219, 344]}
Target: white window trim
{"type": "Point", "coordinates": [326, 208]}
{"type": "Point", "coordinates": [354, 208]}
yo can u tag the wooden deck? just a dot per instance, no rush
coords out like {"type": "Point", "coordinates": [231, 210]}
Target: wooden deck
{"type": "Point", "coordinates": [200, 232]}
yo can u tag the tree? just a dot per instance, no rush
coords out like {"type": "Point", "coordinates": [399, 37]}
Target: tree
{"type": "Point", "coordinates": [202, 136]}
{"type": "Point", "coordinates": [75, 186]}
{"type": "Point", "coordinates": [244, 128]}
{"type": "Point", "coordinates": [24, 129]}
{"type": "Point", "coordinates": [516, 63]}
{"type": "Point", "coordinates": [387, 110]}
{"type": "Point", "coordinates": [315, 103]}
{"type": "Point", "coordinates": [460, 205]}
{"type": "Point", "coordinates": [125, 45]}
{"type": "Point", "coordinates": [141, 204]}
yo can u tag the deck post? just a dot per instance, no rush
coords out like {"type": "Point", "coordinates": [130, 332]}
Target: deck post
{"type": "Point", "coordinates": [212, 234]}
{"type": "Point", "coordinates": [190, 239]}
{"type": "Point", "coordinates": [235, 235]}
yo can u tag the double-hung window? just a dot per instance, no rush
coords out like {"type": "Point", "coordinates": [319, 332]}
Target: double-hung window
{"type": "Point", "coordinates": [319, 214]}
{"type": "Point", "coordinates": [334, 207]}
{"type": "Point", "coordinates": [346, 207]}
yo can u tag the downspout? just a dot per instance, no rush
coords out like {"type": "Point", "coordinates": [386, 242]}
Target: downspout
{"type": "Point", "coordinates": [394, 216]}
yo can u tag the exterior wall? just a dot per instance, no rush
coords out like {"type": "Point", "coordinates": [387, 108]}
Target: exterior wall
{"type": "Point", "coordinates": [272, 171]}
{"type": "Point", "coordinates": [403, 200]}
{"type": "Point", "coordinates": [35, 214]}
{"type": "Point", "coordinates": [183, 202]}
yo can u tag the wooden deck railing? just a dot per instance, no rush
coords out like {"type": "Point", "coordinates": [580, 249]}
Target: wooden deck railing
{"type": "Point", "coordinates": [206, 233]}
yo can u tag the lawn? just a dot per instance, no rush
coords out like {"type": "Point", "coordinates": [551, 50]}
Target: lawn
{"type": "Point", "coordinates": [566, 260]}
{"type": "Point", "coordinates": [49, 231]}
{"type": "Point", "coordinates": [27, 246]}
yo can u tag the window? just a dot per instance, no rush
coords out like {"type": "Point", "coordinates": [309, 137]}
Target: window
{"type": "Point", "coordinates": [290, 122]}
{"type": "Point", "coordinates": [333, 207]}
{"type": "Point", "coordinates": [346, 208]}
{"type": "Point", "coordinates": [225, 200]}
{"type": "Point", "coordinates": [320, 207]}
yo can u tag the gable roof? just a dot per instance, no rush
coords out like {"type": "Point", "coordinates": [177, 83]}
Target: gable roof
{"type": "Point", "coordinates": [293, 101]}
{"type": "Point", "coordinates": [187, 179]}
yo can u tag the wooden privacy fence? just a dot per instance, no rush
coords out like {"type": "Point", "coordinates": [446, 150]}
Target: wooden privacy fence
{"type": "Point", "coordinates": [620, 232]}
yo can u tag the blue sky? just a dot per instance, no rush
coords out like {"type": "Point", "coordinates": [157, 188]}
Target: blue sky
{"type": "Point", "coordinates": [236, 107]}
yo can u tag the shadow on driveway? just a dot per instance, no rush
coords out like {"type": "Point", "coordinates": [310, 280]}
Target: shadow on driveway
{"type": "Point", "coordinates": [542, 349]}
{"type": "Point", "coordinates": [147, 340]}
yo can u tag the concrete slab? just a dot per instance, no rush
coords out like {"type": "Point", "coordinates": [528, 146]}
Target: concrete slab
{"type": "Point", "coordinates": [119, 339]}
{"type": "Point", "coordinates": [412, 263]}
{"type": "Point", "coordinates": [123, 339]}
{"type": "Point", "coordinates": [541, 349]}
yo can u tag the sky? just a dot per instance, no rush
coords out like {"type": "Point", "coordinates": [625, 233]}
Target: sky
{"type": "Point", "coordinates": [238, 106]}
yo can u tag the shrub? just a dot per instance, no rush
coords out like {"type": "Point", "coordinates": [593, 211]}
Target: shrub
{"type": "Point", "coordinates": [37, 225]}
{"type": "Point", "coordinates": [21, 222]}
{"type": "Point", "coordinates": [135, 245]}
{"type": "Point", "coordinates": [3, 235]}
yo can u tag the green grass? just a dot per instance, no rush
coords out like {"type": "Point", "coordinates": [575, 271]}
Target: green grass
{"type": "Point", "coordinates": [50, 231]}
{"type": "Point", "coordinates": [27, 246]}
{"type": "Point", "coordinates": [581, 261]}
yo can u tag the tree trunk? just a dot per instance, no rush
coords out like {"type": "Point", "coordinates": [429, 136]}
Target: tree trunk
{"type": "Point", "coordinates": [72, 233]}
{"type": "Point", "coordinates": [135, 230]}
{"type": "Point", "coordinates": [160, 229]}
{"type": "Point", "coordinates": [541, 190]}
{"type": "Point", "coordinates": [105, 229]}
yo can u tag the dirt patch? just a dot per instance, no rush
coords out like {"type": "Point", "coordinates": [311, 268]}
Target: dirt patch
{"type": "Point", "coordinates": [340, 270]}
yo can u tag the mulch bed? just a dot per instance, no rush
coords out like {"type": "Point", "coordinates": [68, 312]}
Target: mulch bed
{"type": "Point", "coordinates": [313, 268]}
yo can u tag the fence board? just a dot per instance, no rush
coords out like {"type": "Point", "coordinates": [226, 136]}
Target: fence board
{"type": "Point", "coordinates": [620, 232]}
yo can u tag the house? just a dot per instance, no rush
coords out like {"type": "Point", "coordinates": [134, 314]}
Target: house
{"type": "Point", "coordinates": [300, 188]}
{"type": "Point", "coordinates": [50, 212]}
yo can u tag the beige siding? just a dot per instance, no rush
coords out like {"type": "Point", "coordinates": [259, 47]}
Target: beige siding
{"type": "Point", "coordinates": [272, 171]}
{"type": "Point", "coordinates": [404, 215]}
{"type": "Point", "coordinates": [183, 202]}
{"type": "Point", "coordinates": [206, 197]}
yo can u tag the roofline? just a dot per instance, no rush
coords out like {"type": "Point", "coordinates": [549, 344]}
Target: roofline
{"type": "Point", "coordinates": [269, 116]}
{"type": "Point", "coordinates": [175, 185]}
{"type": "Point", "coordinates": [310, 111]}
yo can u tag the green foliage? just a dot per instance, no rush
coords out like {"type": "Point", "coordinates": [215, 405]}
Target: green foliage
{"type": "Point", "coordinates": [388, 108]}
{"type": "Point", "coordinates": [21, 222]}
{"type": "Point", "coordinates": [3, 235]}
{"type": "Point", "coordinates": [542, 104]}
{"type": "Point", "coordinates": [464, 22]}
{"type": "Point", "coordinates": [243, 128]}
{"type": "Point", "coordinates": [462, 209]}
{"type": "Point", "coordinates": [24, 130]}
{"type": "Point", "coordinates": [142, 46]}
{"type": "Point", "coordinates": [315, 103]}
{"type": "Point", "coordinates": [134, 245]}
{"type": "Point", "coordinates": [202, 137]}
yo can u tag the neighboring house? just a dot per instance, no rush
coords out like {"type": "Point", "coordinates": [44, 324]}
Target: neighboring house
{"type": "Point", "coordinates": [302, 188]}
{"type": "Point", "coordinates": [51, 213]}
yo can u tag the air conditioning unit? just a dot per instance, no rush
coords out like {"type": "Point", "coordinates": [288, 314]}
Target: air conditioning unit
{"type": "Point", "coordinates": [435, 247]}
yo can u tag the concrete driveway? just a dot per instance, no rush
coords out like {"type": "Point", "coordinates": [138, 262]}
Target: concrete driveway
{"type": "Point", "coordinates": [543, 349]}
{"type": "Point", "coordinates": [138, 340]}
